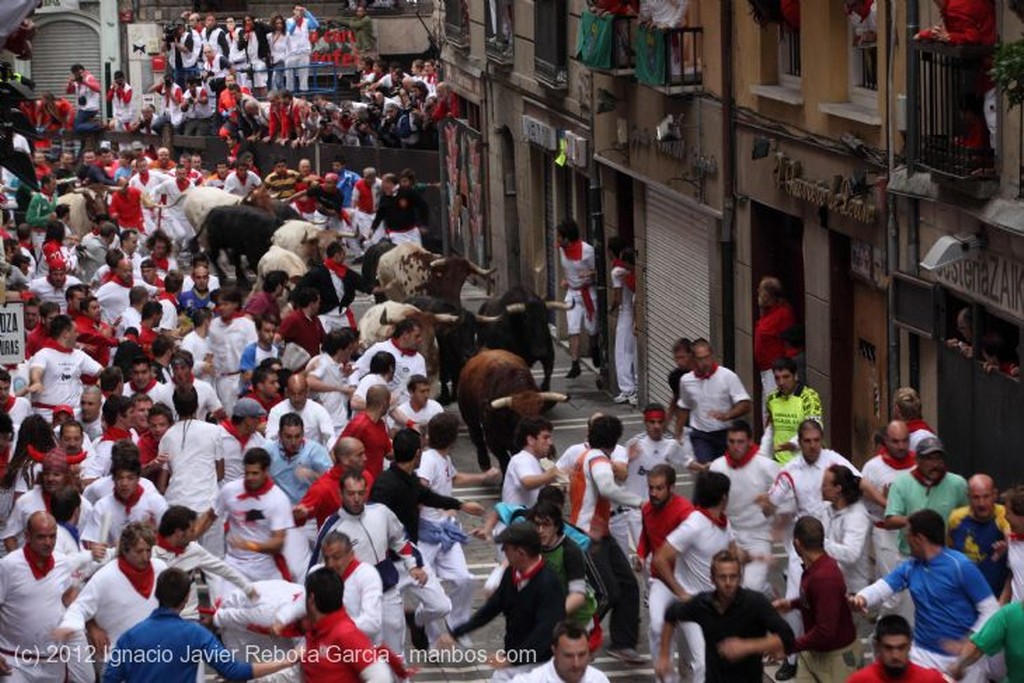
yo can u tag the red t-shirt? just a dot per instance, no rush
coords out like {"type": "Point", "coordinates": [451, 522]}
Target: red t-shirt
{"type": "Point", "coordinates": [126, 208]}
{"type": "Point", "coordinates": [768, 344]}
{"type": "Point", "coordinates": [914, 674]}
{"type": "Point", "coordinates": [307, 333]}
{"type": "Point", "coordinates": [374, 436]}
{"type": "Point", "coordinates": [323, 498]}
{"type": "Point", "coordinates": [336, 650]}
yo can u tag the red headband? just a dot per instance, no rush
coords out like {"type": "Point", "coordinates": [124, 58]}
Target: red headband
{"type": "Point", "coordinates": [654, 414]}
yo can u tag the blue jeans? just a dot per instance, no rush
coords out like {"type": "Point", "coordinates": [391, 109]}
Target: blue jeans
{"type": "Point", "coordinates": [708, 445]}
{"type": "Point", "coordinates": [86, 121]}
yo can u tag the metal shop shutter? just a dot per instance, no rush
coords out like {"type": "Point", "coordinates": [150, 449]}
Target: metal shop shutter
{"type": "Point", "coordinates": [59, 44]}
{"type": "Point", "coordinates": [677, 301]}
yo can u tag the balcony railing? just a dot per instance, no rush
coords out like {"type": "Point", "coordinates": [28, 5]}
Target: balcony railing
{"type": "Point", "coordinates": [499, 28]}
{"type": "Point", "coordinates": [550, 52]}
{"type": "Point", "coordinates": [952, 137]}
{"type": "Point", "coordinates": [605, 43]}
{"type": "Point", "coordinates": [670, 59]}
{"type": "Point", "coordinates": [456, 22]}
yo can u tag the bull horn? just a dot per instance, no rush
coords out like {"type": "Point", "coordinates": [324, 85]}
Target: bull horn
{"type": "Point", "coordinates": [553, 396]}
{"type": "Point", "coordinates": [559, 305]}
{"type": "Point", "coordinates": [487, 318]}
{"type": "Point", "coordinates": [515, 308]}
{"type": "Point", "coordinates": [384, 317]}
{"type": "Point", "coordinates": [484, 272]}
{"type": "Point", "coordinates": [437, 263]}
{"type": "Point", "coordinates": [445, 318]}
{"type": "Point", "coordinates": [503, 402]}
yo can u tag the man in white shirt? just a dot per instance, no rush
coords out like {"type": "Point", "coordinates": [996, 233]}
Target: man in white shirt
{"type": "Point", "coordinates": [751, 475]}
{"type": "Point", "coordinates": [89, 412]}
{"type": "Point", "coordinates": [195, 464]}
{"type": "Point", "coordinates": [114, 294]}
{"type": "Point", "coordinates": [182, 378]}
{"type": "Point", "coordinates": [33, 586]}
{"type": "Point", "coordinates": [403, 346]}
{"type": "Point", "coordinates": [53, 286]}
{"type": "Point", "coordinates": [55, 372]}
{"type": "Point", "coordinates": [16, 406]}
{"type": "Point", "coordinates": [242, 181]}
{"type": "Point", "coordinates": [239, 434]}
{"type": "Point", "coordinates": [230, 333]}
{"type": "Point", "coordinates": [420, 408]}
{"type": "Point", "coordinates": [524, 475]}
{"type": "Point", "coordinates": [690, 548]}
{"type": "Point", "coordinates": [710, 397]}
{"type": "Point", "coordinates": [128, 502]}
{"type": "Point", "coordinates": [315, 419]}
{"type": "Point", "coordinates": [258, 514]}
{"type": "Point", "coordinates": [197, 343]}
{"type": "Point", "coordinates": [55, 476]}
{"type": "Point", "coordinates": [847, 526]}
{"type": "Point", "coordinates": [578, 271]}
{"type": "Point", "coordinates": [117, 415]}
{"type": "Point", "coordinates": [327, 374]}
{"type": "Point", "coordinates": [171, 219]}
{"type": "Point", "coordinates": [143, 379]}
{"type": "Point", "coordinates": [570, 659]}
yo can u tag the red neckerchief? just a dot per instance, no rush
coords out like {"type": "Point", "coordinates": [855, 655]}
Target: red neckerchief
{"type": "Point", "coordinates": [915, 425]}
{"type": "Point", "coordinates": [905, 464]}
{"type": "Point", "coordinates": [111, 276]}
{"type": "Point", "coordinates": [573, 250]}
{"type": "Point", "coordinates": [916, 473]}
{"type": "Point", "coordinates": [148, 448]}
{"type": "Point", "coordinates": [518, 578]}
{"type": "Point", "coordinates": [166, 296]}
{"type": "Point", "coordinates": [228, 319]}
{"type": "Point", "coordinates": [182, 184]}
{"type": "Point", "coordinates": [161, 263]}
{"type": "Point", "coordinates": [133, 499]}
{"type": "Point", "coordinates": [145, 390]}
{"type": "Point", "coordinates": [55, 345]}
{"type": "Point", "coordinates": [349, 569]}
{"type": "Point", "coordinates": [747, 457]}
{"type": "Point", "coordinates": [246, 493]}
{"type": "Point", "coordinates": [9, 402]}
{"type": "Point", "coordinates": [75, 458]}
{"type": "Point", "coordinates": [33, 563]}
{"type": "Point", "coordinates": [36, 454]}
{"type": "Point", "coordinates": [230, 428]}
{"type": "Point", "coordinates": [699, 375]}
{"type": "Point", "coordinates": [166, 545]}
{"type": "Point", "coordinates": [403, 351]}
{"type": "Point", "coordinates": [141, 579]}
{"type": "Point", "coordinates": [865, 11]}
{"type": "Point", "coordinates": [144, 177]}
{"type": "Point", "coordinates": [721, 523]}
{"type": "Point", "coordinates": [339, 269]}
{"type": "Point", "coordinates": [1016, 537]}
{"type": "Point", "coordinates": [267, 405]}
{"type": "Point", "coordinates": [115, 434]}
{"type": "Point", "coordinates": [630, 279]}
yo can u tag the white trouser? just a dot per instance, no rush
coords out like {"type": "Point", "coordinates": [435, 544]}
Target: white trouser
{"type": "Point", "coordinates": [576, 318]}
{"type": "Point", "coordinates": [450, 566]}
{"type": "Point", "coordinates": [363, 223]}
{"type": "Point", "coordinates": [80, 666]}
{"type": "Point", "coordinates": [755, 574]}
{"type": "Point", "coordinates": [227, 391]}
{"type": "Point", "coordinates": [794, 572]}
{"type": "Point", "coordinates": [297, 72]}
{"type": "Point", "coordinates": [976, 673]}
{"type": "Point", "coordinates": [887, 558]}
{"type": "Point", "coordinates": [176, 225]}
{"type": "Point", "coordinates": [408, 237]}
{"type": "Point", "coordinates": [213, 539]}
{"type": "Point", "coordinates": [393, 620]}
{"type": "Point", "coordinates": [658, 600]}
{"type": "Point", "coordinates": [767, 387]}
{"type": "Point", "coordinates": [625, 353]}
{"type": "Point", "coordinates": [40, 671]}
{"type": "Point", "coordinates": [693, 638]}
{"type": "Point", "coordinates": [625, 527]}
{"type": "Point", "coordinates": [431, 601]}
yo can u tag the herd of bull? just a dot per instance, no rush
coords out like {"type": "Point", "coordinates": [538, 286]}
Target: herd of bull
{"type": "Point", "coordinates": [480, 359]}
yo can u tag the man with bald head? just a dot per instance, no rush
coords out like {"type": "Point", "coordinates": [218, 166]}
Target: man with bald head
{"type": "Point", "coordinates": [34, 583]}
{"type": "Point", "coordinates": [324, 497]}
{"type": "Point", "coordinates": [370, 427]}
{"type": "Point", "coordinates": [979, 530]}
{"type": "Point", "coordinates": [315, 418]}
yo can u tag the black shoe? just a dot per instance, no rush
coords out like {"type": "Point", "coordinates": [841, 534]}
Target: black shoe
{"type": "Point", "coordinates": [417, 634]}
{"type": "Point", "coordinates": [574, 371]}
{"type": "Point", "coordinates": [785, 672]}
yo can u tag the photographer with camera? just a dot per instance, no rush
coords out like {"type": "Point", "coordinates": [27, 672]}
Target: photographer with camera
{"type": "Point", "coordinates": [120, 95]}
{"type": "Point", "coordinates": [86, 90]}
{"type": "Point", "coordinates": [198, 107]}
{"type": "Point", "coordinates": [184, 47]}
{"type": "Point", "coordinates": [254, 43]}
{"type": "Point", "coordinates": [171, 97]}
{"type": "Point", "coordinates": [214, 68]}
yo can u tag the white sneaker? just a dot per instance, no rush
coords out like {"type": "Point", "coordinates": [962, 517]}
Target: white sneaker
{"type": "Point", "coordinates": [632, 400]}
{"type": "Point", "coordinates": [621, 398]}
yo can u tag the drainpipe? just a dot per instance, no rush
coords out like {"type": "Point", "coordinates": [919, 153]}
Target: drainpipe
{"type": "Point", "coordinates": [600, 261]}
{"type": "Point", "coordinates": [913, 228]}
{"type": "Point", "coordinates": [728, 234]}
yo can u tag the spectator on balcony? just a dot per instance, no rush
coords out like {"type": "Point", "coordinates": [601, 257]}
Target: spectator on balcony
{"type": "Point", "coordinates": [997, 355]}
{"type": "Point", "coordinates": [362, 26]}
{"type": "Point", "coordinates": [144, 124]}
{"type": "Point", "coordinates": [863, 17]}
{"type": "Point", "coordinates": [963, 342]}
{"type": "Point", "coordinates": [214, 67]}
{"type": "Point", "coordinates": [616, 7]}
{"type": "Point", "coordinates": [171, 114]}
{"type": "Point", "coordinates": [235, 49]}
{"type": "Point", "coordinates": [278, 41]}
{"type": "Point", "coordinates": [197, 109]}
{"type": "Point", "coordinates": [120, 95]}
{"type": "Point", "coordinates": [253, 119]}
{"type": "Point", "coordinates": [51, 116]}
{"type": "Point", "coordinates": [447, 103]}
{"type": "Point", "coordinates": [665, 13]}
{"type": "Point", "coordinates": [184, 47]}
{"type": "Point", "coordinates": [214, 36]}
{"type": "Point", "coordinates": [258, 55]}
{"type": "Point", "coordinates": [299, 26]}
{"type": "Point", "coordinates": [285, 123]}
{"type": "Point", "coordinates": [86, 91]}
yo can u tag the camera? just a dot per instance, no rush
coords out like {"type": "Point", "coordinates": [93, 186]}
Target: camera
{"type": "Point", "coordinates": [171, 32]}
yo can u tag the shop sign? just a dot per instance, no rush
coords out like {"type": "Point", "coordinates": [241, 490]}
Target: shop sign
{"type": "Point", "coordinates": [57, 5]}
{"type": "Point", "coordinates": [861, 260]}
{"type": "Point", "coordinates": [12, 334]}
{"type": "Point", "coordinates": [989, 278]}
{"type": "Point", "coordinates": [539, 133]}
{"type": "Point", "coordinates": [836, 196]}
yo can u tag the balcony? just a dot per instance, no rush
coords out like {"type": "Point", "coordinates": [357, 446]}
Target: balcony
{"type": "Point", "coordinates": [952, 138]}
{"type": "Point", "coordinates": [669, 60]}
{"type": "Point", "coordinates": [605, 43]}
{"type": "Point", "coordinates": [550, 52]}
{"type": "Point", "coordinates": [456, 22]}
{"type": "Point", "coordinates": [499, 24]}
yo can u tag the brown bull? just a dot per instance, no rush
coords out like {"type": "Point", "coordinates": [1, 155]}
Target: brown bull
{"type": "Point", "coordinates": [409, 270]}
{"type": "Point", "coordinates": [496, 388]}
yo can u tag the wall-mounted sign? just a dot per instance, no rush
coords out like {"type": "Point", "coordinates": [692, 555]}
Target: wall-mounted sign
{"type": "Point", "coordinates": [57, 5]}
{"type": "Point", "coordinates": [836, 195]}
{"type": "Point", "coordinates": [539, 133]}
{"type": "Point", "coordinates": [12, 334]}
{"type": "Point", "coordinates": [989, 278]}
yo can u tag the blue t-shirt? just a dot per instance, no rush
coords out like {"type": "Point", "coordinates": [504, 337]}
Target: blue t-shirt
{"type": "Point", "coordinates": [311, 456]}
{"type": "Point", "coordinates": [190, 301]}
{"type": "Point", "coordinates": [946, 591]}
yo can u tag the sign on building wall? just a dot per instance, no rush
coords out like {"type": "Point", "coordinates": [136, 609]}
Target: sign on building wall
{"type": "Point", "coordinates": [462, 164]}
{"type": "Point", "coordinates": [336, 46]}
{"type": "Point", "coordinates": [989, 278]}
{"type": "Point", "coordinates": [12, 334]}
{"type": "Point", "coordinates": [57, 5]}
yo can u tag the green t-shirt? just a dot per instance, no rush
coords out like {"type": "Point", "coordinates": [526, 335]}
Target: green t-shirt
{"type": "Point", "coordinates": [788, 412]}
{"type": "Point", "coordinates": [566, 560]}
{"type": "Point", "coordinates": [907, 495]}
{"type": "Point", "coordinates": [995, 637]}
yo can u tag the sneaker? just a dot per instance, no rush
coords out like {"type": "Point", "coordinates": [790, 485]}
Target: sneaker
{"type": "Point", "coordinates": [621, 398]}
{"type": "Point", "coordinates": [628, 655]}
{"type": "Point", "coordinates": [632, 400]}
{"type": "Point", "coordinates": [785, 672]}
{"type": "Point", "coordinates": [574, 371]}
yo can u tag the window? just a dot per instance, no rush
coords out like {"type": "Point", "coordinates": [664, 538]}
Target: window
{"type": "Point", "coordinates": [862, 39]}
{"type": "Point", "coordinates": [550, 50]}
{"type": "Point", "coordinates": [789, 57]}
{"type": "Point", "coordinates": [500, 28]}
{"type": "Point", "coordinates": [456, 22]}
